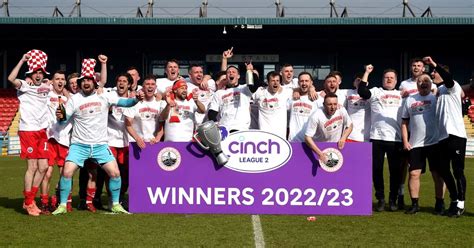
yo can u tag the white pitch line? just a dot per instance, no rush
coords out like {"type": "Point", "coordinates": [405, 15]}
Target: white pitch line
{"type": "Point", "coordinates": [258, 232]}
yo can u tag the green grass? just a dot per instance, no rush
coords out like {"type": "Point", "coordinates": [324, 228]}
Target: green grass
{"type": "Point", "coordinates": [81, 228]}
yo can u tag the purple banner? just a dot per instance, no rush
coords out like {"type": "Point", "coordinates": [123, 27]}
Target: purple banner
{"type": "Point", "coordinates": [173, 177]}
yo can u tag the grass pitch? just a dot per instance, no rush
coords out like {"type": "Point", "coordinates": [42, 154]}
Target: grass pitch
{"type": "Point", "coordinates": [81, 228]}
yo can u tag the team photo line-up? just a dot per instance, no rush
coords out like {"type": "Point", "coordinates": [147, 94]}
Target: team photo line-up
{"type": "Point", "coordinates": [74, 122]}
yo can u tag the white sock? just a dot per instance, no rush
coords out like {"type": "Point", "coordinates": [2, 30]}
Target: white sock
{"type": "Point", "coordinates": [461, 204]}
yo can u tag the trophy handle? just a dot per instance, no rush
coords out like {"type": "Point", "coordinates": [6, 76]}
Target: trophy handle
{"type": "Point", "coordinates": [199, 142]}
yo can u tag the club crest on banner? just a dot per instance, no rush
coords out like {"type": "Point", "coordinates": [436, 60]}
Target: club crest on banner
{"type": "Point", "coordinates": [335, 160]}
{"type": "Point", "coordinates": [169, 159]}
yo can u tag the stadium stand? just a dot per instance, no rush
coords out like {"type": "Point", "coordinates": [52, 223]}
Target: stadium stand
{"type": "Point", "coordinates": [9, 117]}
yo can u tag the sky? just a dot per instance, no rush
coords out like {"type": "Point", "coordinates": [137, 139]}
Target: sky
{"type": "Point", "coordinates": [237, 8]}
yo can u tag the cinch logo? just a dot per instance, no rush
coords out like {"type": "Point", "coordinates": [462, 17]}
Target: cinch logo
{"type": "Point", "coordinates": [255, 151]}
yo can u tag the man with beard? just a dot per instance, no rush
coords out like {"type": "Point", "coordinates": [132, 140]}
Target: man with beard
{"type": "Point", "coordinates": [272, 105]}
{"type": "Point", "coordinates": [33, 123]}
{"type": "Point", "coordinates": [301, 109]}
{"type": "Point", "coordinates": [118, 140]}
{"type": "Point", "coordinates": [89, 137]}
{"type": "Point", "coordinates": [331, 84]}
{"type": "Point", "coordinates": [385, 134]}
{"type": "Point", "coordinates": [179, 113]}
{"type": "Point", "coordinates": [196, 85]}
{"type": "Point", "coordinates": [58, 142]}
{"type": "Point", "coordinates": [408, 88]}
{"type": "Point", "coordinates": [452, 136]}
{"type": "Point", "coordinates": [328, 124]}
{"type": "Point", "coordinates": [419, 113]}
{"type": "Point", "coordinates": [233, 103]}
{"type": "Point", "coordinates": [143, 120]}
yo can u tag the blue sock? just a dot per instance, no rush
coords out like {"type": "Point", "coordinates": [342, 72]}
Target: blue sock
{"type": "Point", "coordinates": [65, 185]}
{"type": "Point", "coordinates": [114, 186]}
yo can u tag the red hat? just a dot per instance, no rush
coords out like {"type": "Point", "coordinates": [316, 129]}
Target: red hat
{"type": "Point", "coordinates": [179, 83]}
{"type": "Point", "coordinates": [37, 61]}
{"type": "Point", "coordinates": [87, 71]}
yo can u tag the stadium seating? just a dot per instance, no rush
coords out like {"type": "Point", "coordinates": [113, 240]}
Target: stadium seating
{"type": "Point", "coordinates": [9, 117]}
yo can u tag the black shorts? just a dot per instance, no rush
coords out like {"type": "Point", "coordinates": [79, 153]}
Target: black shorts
{"type": "Point", "coordinates": [419, 155]}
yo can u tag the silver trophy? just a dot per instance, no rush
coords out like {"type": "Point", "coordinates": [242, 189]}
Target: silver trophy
{"type": "Point", "coordinates": [209, 138]}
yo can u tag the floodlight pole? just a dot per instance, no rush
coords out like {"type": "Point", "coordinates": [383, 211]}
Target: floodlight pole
{"type": "Point", "coordinates": [405, 7]}
{"type": "Point", "coordinates": [280, 10]}
{"type": "Point", "coordinates": [149, 11]}
{"type": "Point", "coordinates": [427, 13]}
{"type": "Point", "coordinates": [345, 13]}
{"type": "Point", "coordinates": [5, 6]}
{"type": "Point", "coordinates": [77, 7]}
{"type": "Point", "coordinates": [333, 8]}
{"type": "Point", "coordinates": [139, 12]}
{"type": "Point", "coordinates": [203, 9]}
{"type": "Point", "coordinates": [57, 12]}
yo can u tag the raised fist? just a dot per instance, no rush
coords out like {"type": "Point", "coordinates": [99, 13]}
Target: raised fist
{"type": "Point", "coordinates": [102, 59]}
{"type": "Point", "coordinates": [25, 57]}
{"type": "Point", "coordinates": [369, 68]}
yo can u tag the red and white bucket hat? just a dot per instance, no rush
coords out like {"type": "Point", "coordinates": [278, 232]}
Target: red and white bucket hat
{"type": "Point", "coordinates": [87, 70]}
{"type": "Point", "coordinates": [37, 61]}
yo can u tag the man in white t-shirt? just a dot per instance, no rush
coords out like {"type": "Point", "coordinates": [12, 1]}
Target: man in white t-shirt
{"type": "Point", "coordinates": [452, 136]}
{"type": "Point", "coordinates": [407, 88]}
{"type": "Point", "coordinates": [89, 136]}
{"type": "Point", "coordinates": [143, 120]}
{"type": "Point", "coordinates": [179, 113]}
{"type": "Point", "coordinates": [33, 123]}
{"type": "Point", "coordinates": [232, 104]}
{"type": "Point", "coordinates": [419, 113]}
{"type": "Point", "coordinates": [272, 105]}
{"type": "Point", "coordinates": [328, 124]}
{"type": "Point", "coordinates": [301, 109]}
{"type": "Point", "coordinates": [196, 84]}
{"type": "Point", "coordinates": [331, 84]}
{"type": "Point", "coordinates": [133, 71]}
{"type": "Point", "coordinates": [358, 109]}
{"type": "Point", "coordinates": [58, 137]}
{"type": "Point", "coordinates": [287, 74]}
{"type": "Point", "coordinates": [385, 134]}
{"type": "Point", "coordinates": [118, 138]}
{"type": "Point", "coordinates": [172, 74]}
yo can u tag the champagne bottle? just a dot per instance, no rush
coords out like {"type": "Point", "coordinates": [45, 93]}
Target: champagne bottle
{"type": "Point", "coordinates": [61, 108]}
{"type": "Point", "coordinates": [249, 77]}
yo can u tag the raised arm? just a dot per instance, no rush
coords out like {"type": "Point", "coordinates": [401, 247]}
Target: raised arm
{"type": "Point", "coordinates": [362, 90]}
{"type": "Point", "coordinates": [257, 82]}
{"type": "Point", "coordinates": [14, 74]}
{"type": "Point", "coordinates": [446, 76]}
{"type": "Point", "coordinates": [103, 70]}
{"type": "Point", "coordinates": [225, 56]}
